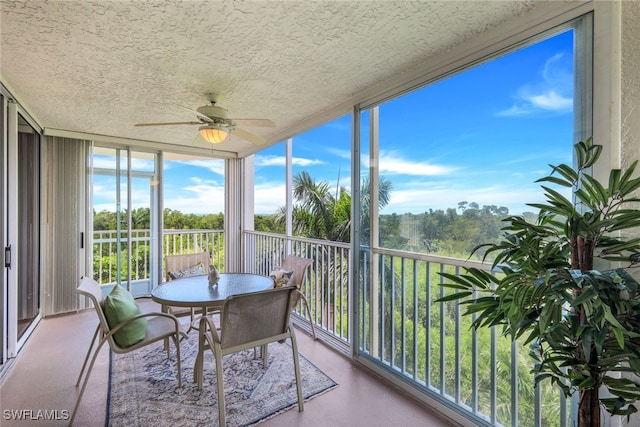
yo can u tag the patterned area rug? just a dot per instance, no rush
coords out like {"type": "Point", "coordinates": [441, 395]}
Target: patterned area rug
{"type": "Point", "coordinates": [143, 387]}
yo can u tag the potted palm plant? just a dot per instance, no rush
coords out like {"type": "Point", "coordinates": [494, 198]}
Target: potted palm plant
{"type": "Point", "coordinates": [563, 285]}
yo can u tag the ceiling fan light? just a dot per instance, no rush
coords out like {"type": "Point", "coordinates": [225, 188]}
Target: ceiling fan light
{"type": "Point", "coordinates": [213, 134]}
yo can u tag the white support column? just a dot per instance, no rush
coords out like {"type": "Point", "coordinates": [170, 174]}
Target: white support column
{"type": "Point", "coordinates": [607, 86]}
{"type": "Point", "coordinates": [373, 227]}
{"type": "Point", "coordinates": [248, 191]}
{"type": "Point", "coordinates": [247, 206]}
{"type": "Point", "coordinates": [289, 191]}
{"type": "Point", "coordinates": [232, 219]}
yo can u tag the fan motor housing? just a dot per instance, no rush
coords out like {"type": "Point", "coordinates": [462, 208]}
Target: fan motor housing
{"type": "Point", "coordinates": [213, 112]}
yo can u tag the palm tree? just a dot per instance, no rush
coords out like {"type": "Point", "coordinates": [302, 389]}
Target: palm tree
{"type": "Point", "coordinates": [321, 214]}
{"type": "Point", "coordinates": [384, 196]}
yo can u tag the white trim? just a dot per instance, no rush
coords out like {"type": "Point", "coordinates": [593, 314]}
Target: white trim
{"type": "Point", "coordinates": [233, 189]}
{"type": "Point", "coordinates": [139, 143]}
{"type": "Point", "coordinates": [7, 92]}
{"type": "Point", "coordinates": [607, 85]}
{"type": "Point", "coordinates": [12, 229]}
{"type": "Point", "coordinates": [289, 189]}
{"type": "Point", "coordinates": [157, 224]}
{"type": "Point", "coordinates": [374, 226]}
{"type": "Point", "coordinates": [248, 192]}
{"type": "Point", "coordinates": [87, 268]}
{"type": "Point", "coordinates": [3, 193]}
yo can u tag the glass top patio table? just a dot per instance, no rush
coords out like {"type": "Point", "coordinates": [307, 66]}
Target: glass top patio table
{"type": "Point", "coordinates": [195, 291]}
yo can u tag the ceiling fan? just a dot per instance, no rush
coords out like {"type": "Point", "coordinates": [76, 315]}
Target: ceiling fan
{"type": "Point", "coordinates": [216, 125]}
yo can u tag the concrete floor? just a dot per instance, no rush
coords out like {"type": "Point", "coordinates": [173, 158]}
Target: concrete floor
{"type": "Point", "coordinates": [43, 377]}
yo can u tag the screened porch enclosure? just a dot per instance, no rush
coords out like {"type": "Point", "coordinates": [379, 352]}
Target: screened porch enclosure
{"type": "Point", "coordinates": [376, 301]}
{"type": "Point", "coordinates": [414, 172]}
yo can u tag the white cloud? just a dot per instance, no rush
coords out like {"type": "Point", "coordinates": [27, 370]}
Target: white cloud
{"type": "Point", "coordinates": [269, 197]}
{"type": "Point", "coordinates": [343, 154]}
{"type": "Point", "coordinates": [214, 165]}
{"type": "Point", "coordinates": [299, 161]}
{"type": "Point", "coordinates": [551, 101]}
{"type": "Point", "coordinates": [203, 197]}
{"type": "Point", "coordinates": [391, 163]}
{"type": "Point", "coordinates": [551, 93]}
{"type": "Point", "coordinates": [532, 103]}
{"type": "Point", "coordinates": [109, 162]}
{"type": "Point", "coordinates": [281, 161]}
{"type": "Point", "coordinates": [418, 200]}
{"type": "Point", "coordinates": [270, 160]}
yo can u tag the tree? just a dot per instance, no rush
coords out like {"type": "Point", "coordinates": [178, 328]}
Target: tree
{"type": "Point", "coordinates": [104, 220]}
{"type": "Point", "coordinates": [267, 223]}
{"type": "Point", "coordinates": [319, 213]}
{"type": "Point", "coordinates": [582, 323]}
{"type": "Point", "coordinates": [384, 197]}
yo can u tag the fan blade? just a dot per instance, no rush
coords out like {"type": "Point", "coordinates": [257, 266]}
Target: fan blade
{"type": "Point", "coordinates": [168, 123]}
{"type": "Point", "coordinates": [249, 136]}
{"type": "Point", "coordinates": [265, 123]}
{"type": "Point", "coordinates": [200, 142]}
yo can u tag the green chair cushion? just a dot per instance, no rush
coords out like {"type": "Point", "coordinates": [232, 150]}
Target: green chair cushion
{"type": "Point", "coordinates": [119, 305]}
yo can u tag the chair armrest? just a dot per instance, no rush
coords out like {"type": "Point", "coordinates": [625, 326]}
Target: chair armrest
{"type": "Point", "coordinates": [141, 315]}
{"type": "Point", "coordinates": [214, 331]}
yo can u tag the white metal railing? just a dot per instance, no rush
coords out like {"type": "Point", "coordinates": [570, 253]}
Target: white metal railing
{"type": "Point", "coordinates": [326, 284]}
{"type": "Point", "coordinates": [426, 345]}
{"type": "Point", "coordinates": [431, 345]}
{"type": "Point", "coordinates": [112, 254]}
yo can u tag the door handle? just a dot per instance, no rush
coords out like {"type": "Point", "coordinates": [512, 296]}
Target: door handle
{"type": "Point", "coordinates": [7, 256]}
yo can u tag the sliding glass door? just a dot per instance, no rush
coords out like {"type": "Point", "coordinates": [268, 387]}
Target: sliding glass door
{"type": "Point", "coordinates": [125, 218]}
{"type": "Point", "coordinates": [20, 299]}
{"type": "Point", "coordinates": [27, 252]}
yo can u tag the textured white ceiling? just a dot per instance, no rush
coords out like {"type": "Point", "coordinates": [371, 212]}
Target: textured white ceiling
{"type": "Point", "coordinates": [98, 67]}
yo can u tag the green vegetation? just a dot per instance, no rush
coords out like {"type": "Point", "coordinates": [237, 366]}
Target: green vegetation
{"type": "Point", "coordinates": [112, 255]}
{"type": "Point", "coordinates": [450, 232]}
{"type": "Point", "coordinates": [173, 220]}
{"type": "Point", "coordinates": [582, 322]}
{"type": "Point", "coordinates": [408, 316]}
{"type": "Point", "coordinates": [318, 212]}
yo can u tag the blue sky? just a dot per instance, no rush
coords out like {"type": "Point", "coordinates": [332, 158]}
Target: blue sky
{"type": "Point", "coordinates": [484, 136]}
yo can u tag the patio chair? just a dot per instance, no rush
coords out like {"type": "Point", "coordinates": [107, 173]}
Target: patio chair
{"type": "Point", "coordinates": [186, 265]}
{"type": "Point", "coordinates": [299, 267]}
{"type": "Point", "coordinates": [248, 321]}
{"type": "Point", "coordinates": [132, 330]}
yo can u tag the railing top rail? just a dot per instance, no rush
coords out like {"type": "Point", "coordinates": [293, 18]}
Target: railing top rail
{"type": "Point", "coordinates": [166, 230]}
{"type": "Point", "coordinates": [300, 239]}
{"type": "Point", "coordinates": [194, 230]}
{"type": "Point", "coordinates": [440, 259]}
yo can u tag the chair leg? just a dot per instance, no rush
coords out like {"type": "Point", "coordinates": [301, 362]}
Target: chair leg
{"type": "Point", "coordinates": [265, 355]}
{"type": "Point", "coordinates": [296, 367]}
{"type": "Point", "coordinates": [220, 383]}
{"type": "Point", "coordinates": [176, 341]}
{"type": "Point", "coordinates": [193, 320]}
{"type": "Point", "coordinates": [86, 358]}
{"type": "Point", "coordinates": [86, 379]}
{"type": "Point", "coordinates": [198, 367]}
{"type": "Point", "coordinates": [306, 304]}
